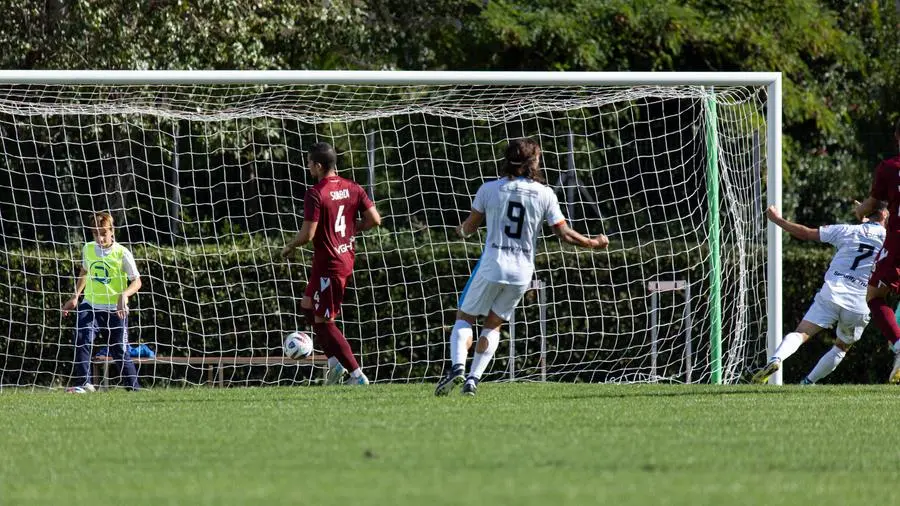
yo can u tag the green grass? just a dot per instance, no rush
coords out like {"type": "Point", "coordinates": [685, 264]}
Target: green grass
{"type": "Point", "coordinates": [542, 444]}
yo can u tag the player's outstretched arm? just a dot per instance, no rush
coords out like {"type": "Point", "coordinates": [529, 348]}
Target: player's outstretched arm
{"type": "Point", "coordinates": [307, 232]}
{"type": "Point", "coordinates": [567, 234]}
{"type": "Point", "coordinates": [796, 230]}
{"type": "Point", "coordinates": [370, 219]}
{"type": "Point", "coordinates": [468, 227]}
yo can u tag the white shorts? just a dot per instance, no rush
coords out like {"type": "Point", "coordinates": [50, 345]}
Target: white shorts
{"type": "Point", "coordinates": [848, 325]}
{"type": "Point", "coordinates": [481, 296]}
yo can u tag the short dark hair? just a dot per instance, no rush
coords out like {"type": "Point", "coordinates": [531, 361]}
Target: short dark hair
{"type": "Point", "coordinates": [879, 207]}
{"type": "Point", "coordinates": [322, 153]}
{"type": "Point", "coordinates": [523, 159]}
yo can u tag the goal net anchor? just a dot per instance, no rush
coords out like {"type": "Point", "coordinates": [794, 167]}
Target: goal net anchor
{"type": "Point", "coordinates": [677, 286]}
{"type": "Point", "coordinates": [541, 288]}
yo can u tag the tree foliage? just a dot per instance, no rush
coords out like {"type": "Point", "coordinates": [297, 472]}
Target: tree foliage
{"type": "Point", "coordinates": [838, 57]}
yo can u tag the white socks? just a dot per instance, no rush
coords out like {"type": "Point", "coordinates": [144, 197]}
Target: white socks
{"type": "Point", "coordinates": [332, 362]}
{"type": "Point", "coordinates": [459, 340]}
{"type": "Point", "coordinates": [827, 363]}
{"type": "Point", "coordinates": [789, 345]}
{"type": "Point", "coordinates": [481, 360]}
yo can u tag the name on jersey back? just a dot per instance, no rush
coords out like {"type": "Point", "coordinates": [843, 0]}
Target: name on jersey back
{"type": "Point", "coordinates": [340, 194]}
{"type": "Point", "coordinates": [519, 190]}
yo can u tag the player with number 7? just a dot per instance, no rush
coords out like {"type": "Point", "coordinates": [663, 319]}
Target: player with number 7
{"type": "Point", "coordinates": [841, 302]}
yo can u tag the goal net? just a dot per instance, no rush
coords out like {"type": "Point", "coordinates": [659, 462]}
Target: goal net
{"type": "Point", "coordinates": [206, 184]}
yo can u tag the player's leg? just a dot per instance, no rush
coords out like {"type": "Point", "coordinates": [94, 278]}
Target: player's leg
{"type": "Point", "coordinates": [460, 342]}
{"type": "Point", "coordinates": [117, 329]}
{"type": "Point", "coordinates": [885, 279]}
{"type": "Point", "coordinates": [849, 330]}
{"type": "Point", "coordinates": [501, 311]}
{"type": "Point", "coordinates": [882, 315]}
{"type": "Point", "coordinates": [791, 342]}
{"type": "Point", "coordinates": [85, 330]}
{"type": "Point", "coordinates": [326, 306]}
{"type": "Point", "coordinates": [475, 300]}
{"type": "Point", "coordinates": [880, 285]}
{"type": "Point", "coordinates": [306, 307]}
{"type": "Point", "coordinates": [484, 351]}
{"type": "Point", "coordinates": [335, 371]}
{"type": "Point", "coordinates": [344, 353]}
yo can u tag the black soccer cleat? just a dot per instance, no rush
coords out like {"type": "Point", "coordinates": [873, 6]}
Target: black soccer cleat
{"type": "Point", "coordinates": [470, 387]}
{"type": "Point", "coordinates": [450, 381]}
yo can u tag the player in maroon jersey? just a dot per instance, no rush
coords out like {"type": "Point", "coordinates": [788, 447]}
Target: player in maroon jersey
{"type": "Point", "coordinates": [886, 273]}
{"type": "Point", "coordinates": [331, 208]}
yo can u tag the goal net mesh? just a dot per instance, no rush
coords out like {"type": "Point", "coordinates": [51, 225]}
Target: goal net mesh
{"type": "Point", "coordinates": [206, 184]}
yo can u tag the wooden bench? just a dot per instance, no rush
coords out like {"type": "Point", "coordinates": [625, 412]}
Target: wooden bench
{"type": "Point", "coordinates": [214, 364]}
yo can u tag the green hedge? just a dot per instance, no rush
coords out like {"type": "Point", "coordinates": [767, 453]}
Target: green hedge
{"type": "Point", "coordinates": [237, 299]}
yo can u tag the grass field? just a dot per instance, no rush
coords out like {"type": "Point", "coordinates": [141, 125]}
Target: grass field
{"type": "Point", "coordinates": [542, 444]}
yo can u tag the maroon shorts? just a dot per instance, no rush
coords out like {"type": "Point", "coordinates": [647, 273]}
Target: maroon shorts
{"type": "Point", "coordinates": [887, 270]}
{"type": "Point", "coordinates": [327, 294]}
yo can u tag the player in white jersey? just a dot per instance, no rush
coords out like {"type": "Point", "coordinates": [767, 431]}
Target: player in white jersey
{"type": "Point", "coordinates": [514, 207]}
{"type": "Point", "coordinates": [841, 303]}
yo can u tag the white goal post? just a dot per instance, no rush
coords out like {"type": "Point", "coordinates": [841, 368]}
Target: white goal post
{"type": "Point", "coordinates": [204, 173]}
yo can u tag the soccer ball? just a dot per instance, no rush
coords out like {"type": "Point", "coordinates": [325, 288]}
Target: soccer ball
{"type": "Point", "coordinates": [298, 345]}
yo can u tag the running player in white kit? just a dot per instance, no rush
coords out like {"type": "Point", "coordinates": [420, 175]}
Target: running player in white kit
{"type": "Point", "coordinates": [841, 303]}
{"type": "Point", "coordinates": [514, 207]}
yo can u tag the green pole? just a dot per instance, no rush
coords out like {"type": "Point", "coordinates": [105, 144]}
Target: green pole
{"type": "Point", "coordinates": [715, 261]}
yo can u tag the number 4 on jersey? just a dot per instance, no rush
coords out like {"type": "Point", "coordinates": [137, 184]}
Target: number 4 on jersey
{"type": "Point", "coordinates": [340, 223]}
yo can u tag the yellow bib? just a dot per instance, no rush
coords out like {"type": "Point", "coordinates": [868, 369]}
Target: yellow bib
{"type": "Point", "coordinates": [106, 279]}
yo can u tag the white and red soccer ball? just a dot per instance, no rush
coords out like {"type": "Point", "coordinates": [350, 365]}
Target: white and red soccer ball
{"type": "Point", "coordinates": [298, 345]}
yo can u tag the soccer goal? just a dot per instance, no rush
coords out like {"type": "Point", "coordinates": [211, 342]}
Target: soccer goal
{"type": "Point", "coordinates": [204, 174]}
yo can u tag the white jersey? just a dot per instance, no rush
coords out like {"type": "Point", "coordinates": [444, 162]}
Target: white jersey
{"type": "Point", "coordinates": [848, 274]}
{"type": "Point", "coordinates": [514, 210]}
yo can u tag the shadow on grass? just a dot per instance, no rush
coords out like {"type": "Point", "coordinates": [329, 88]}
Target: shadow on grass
{"type": "Point", "coordinates": [252, 395]}
{"type": "Point", "coordinates": [712, 391]}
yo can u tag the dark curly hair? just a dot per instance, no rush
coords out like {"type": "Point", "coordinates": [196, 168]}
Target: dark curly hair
{"type": "Point", "coordinates": [523, 159]}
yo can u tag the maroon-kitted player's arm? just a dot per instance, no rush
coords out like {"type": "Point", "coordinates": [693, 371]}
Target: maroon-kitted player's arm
{"type": "Point", "coordinates": [370, 219]}
{"type": "Point", "coordinates": [369, 216]}
{"type": "Point", "coordinates": [311, 210]}
{"type": "Point", "coordinates": [880, 185]}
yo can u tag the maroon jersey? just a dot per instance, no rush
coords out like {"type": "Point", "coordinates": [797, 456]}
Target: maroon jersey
{"type": "Point", "coordinates": [334, 203]}
{"type": "Point", "coordinates": [886, 186]}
